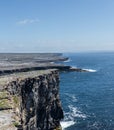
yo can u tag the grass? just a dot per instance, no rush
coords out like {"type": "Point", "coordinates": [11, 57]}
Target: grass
{"type": "Point", "coordinates": [8, 101]}
{"type": "Point", "coordinates": [16, 124]}
{"type": "Point", "coordinates": [15, 101]}
{"type": "Point", "coordinates": [3, 104]}
{"type": "Point", "coordinates": [4, 100]}
{"type": "Point", "coordinates": [3, 95]}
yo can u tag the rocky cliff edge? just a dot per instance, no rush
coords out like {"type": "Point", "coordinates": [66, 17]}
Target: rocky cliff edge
{"type": "Point", "coordinates": [33, 99]}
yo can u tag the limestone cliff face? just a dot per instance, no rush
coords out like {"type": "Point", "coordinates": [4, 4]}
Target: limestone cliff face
{"type": "Point", "coordinates": [39, 103]}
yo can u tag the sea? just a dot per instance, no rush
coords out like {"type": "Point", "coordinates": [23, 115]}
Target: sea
{"type": "Point", "coordinates": [88, 97]}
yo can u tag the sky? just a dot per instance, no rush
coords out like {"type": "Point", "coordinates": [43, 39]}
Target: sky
{"type": "Point", "coordinates": [56, 25]}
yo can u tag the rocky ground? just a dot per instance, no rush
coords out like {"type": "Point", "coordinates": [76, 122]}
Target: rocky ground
{"type": "Point", "coordinates": [6, 120]}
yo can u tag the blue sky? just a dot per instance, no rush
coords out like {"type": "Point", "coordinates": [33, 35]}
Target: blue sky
{"type": "Point", "coordinates": [56, 25]}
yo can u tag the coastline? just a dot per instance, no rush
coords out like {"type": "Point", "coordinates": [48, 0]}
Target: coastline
{"type": "Point", "coordinates": [18, 70]}
{"type": "Point", "coordinates": [22, 63]}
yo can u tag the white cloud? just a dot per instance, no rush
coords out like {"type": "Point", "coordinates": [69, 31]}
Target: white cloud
{"type": "Point", "coordinates": [28, 21]}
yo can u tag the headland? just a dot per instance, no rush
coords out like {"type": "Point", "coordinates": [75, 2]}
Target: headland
{"type": "Point", "coordinates": [29, 96]}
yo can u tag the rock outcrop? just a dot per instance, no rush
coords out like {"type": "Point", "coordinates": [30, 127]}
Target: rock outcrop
{"type": "Point", "coordinates": [37, 97]}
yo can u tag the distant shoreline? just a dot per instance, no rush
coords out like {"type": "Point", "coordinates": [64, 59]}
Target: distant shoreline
{"type": "Point", "coordinates": [13, 63]}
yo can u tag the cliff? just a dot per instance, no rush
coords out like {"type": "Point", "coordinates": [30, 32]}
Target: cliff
{"type": "Point", "coordinates": [36, 101]}
{"type": "Point", "coordinates": [29, 91]}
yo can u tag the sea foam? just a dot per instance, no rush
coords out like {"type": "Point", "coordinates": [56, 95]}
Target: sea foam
{"type": "Point", "coordinates": [71, 97]}
{"type": "Point", "coordinates": [68, 60]}
{"type": "Point", "coordinates": [66, 124]}
{"type": "Point", "coordinates": [90, 70]}
{"type": "Point", "coordinates": [70, 116]}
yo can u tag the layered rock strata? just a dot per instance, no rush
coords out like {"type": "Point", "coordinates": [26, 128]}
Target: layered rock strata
{"type": "Point", "coordinates": [36, 98]}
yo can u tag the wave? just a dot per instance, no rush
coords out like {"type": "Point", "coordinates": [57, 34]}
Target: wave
{"type": "Point", "coordinates": [69, 117]}
{"type": "Point", "coordinates": [74, 112]}
{"type": "Point", "coordinates": [74, 67]}
{"type": "Point", "coordinates": [74, 99]}
{"type": "Point", "coordinates": [68, 60]}
{"type": "Point", "coordinates": [66, 124]}
{"type": "Point", "coordinates": [90, 70]}
{"type": "Point", "coordinates": [71, 97]}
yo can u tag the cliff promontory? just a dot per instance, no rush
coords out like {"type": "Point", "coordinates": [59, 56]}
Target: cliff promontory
{"type": "Point", "coordinates": [36, 101]}
{"type": "Point", "coordinates": [29, 91]}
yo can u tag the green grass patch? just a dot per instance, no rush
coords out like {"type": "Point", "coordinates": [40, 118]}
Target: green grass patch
{"type": "Point", "coordinates": [4, 104]}
{"type": "Point", "coordinates": [16, 101]}
{"type": "Point", "coordinates": [3, 95]}
{"type": "Point", "coordinates": [16, 124]}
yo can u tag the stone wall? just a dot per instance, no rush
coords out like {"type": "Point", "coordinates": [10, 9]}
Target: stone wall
{"type": "Point", "coordinates": [39, 106]}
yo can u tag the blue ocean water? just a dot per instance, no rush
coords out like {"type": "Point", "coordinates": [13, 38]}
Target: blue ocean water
{"type": "Point", "coordinates": [88, 97]}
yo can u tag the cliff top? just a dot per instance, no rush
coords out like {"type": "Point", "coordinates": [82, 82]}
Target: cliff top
{"type": "Point", "coordinates": [23, 75]}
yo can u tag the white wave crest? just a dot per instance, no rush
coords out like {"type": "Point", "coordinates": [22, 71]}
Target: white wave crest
{"type": "Point", "coordinates": [90, 70]}
{"type": "Point", "coordinates": [71, 97]}
{"type": "Point", "coordinates": [74, 112]}
{"type": "Point", "coordinates": [74, 99]}
{"type": "Point", "coordinates": [66, 124]}
{"type": "Point", "coordinates": [70, 116]}
{"type": "Point", "coordinates": [74, 67]}
{"type": "Point", "coordinates": [68, 60]}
